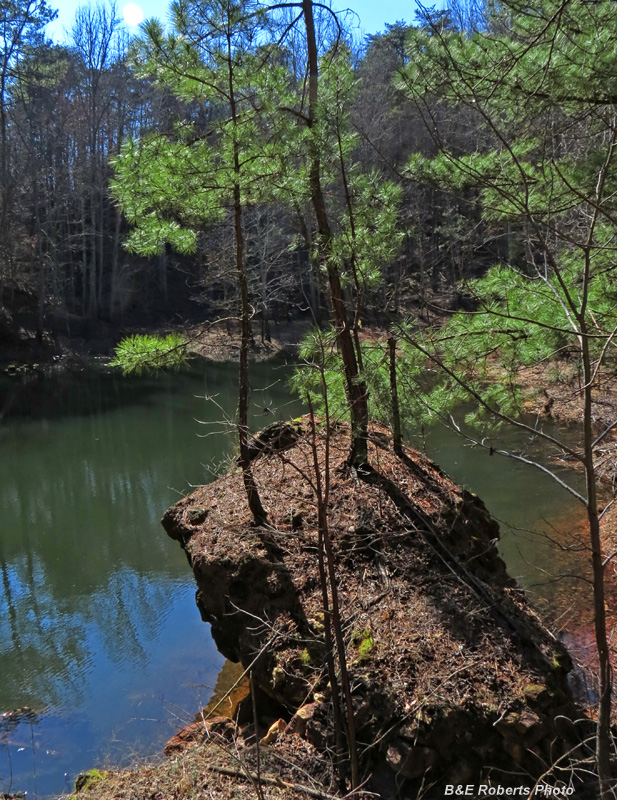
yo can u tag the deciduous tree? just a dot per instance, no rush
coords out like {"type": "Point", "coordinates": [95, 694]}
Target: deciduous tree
{"type": "Point", "coordinates": [21, 28]}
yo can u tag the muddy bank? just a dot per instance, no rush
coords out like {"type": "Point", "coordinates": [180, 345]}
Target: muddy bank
{"type": "Point", "coordinates": [221, 341]}
{"type": "Point", "coordinates": [454, 678]}
{"type": "Point", "coordinates": [555, 391]}
{"type": "Point", "coordinates": [572, 610]}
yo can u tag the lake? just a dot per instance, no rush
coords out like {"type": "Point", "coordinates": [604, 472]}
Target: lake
{"type": "Point", "coordinates": [99, 633]}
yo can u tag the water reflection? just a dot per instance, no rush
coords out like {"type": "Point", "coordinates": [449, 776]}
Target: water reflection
{"type": "Point", "coordinates": [99, 633]}
{"type": "Point", "coordinates": [542, 532]}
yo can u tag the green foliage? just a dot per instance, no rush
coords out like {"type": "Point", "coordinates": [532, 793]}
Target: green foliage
{"type": "Point", "coordinates": [477, 355]}
{"type": "Point", "coordinates": [369, 235]}
{"type": "Point", "coordinates": [536, 54]}
{"type": "Point", "coordinates": [364, 642]}
{"type": "Point", "coordinates": [321, 377]}
{"type": "Point", "coordinates": [172, 185]}
{"type": "Point", "coordinates": [144, 353]}
{"type": "Point", "coordinates": [86, 780]}
{"type": "Point", "coordinates": [533, 96]}
{"type": "Point", "coordinates": [162, 193]}
{"type": "Point", "coordinates": [364, 209]}
{"type": "Point", "coordinates": [534, 93]}
{"type": "Point", "coordinates": [23, 22]}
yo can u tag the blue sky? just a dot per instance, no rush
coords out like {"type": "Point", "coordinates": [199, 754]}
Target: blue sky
{"type": "Point", "coordinates": [373, 14]}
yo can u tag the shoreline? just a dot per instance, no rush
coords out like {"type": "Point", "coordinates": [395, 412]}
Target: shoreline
{"type": "Point", "coordinates": [609, 516]}
{"type": "Point", "coordinates": [426, 697]}
{"type": "Point", "coordinates": [217, 341]}
{"type": "Point", "coordinates": [213, 531]}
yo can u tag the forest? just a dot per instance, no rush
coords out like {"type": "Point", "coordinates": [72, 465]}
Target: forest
{"type": "Point", "coordinates": [68, 111]}
{"type": "Point", "coordinates": [437, 201]}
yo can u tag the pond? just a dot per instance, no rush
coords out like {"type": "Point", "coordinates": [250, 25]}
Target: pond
{"type": "Point", "coordinates": [539, 520]}
{"type": "Point", "coordinates": [100, 637]}
{"type": "Point", "coordinates": [99, 633]}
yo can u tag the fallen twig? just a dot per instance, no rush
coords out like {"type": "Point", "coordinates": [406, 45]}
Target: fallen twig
{"type": "Point", "coordinates": [281, 784]}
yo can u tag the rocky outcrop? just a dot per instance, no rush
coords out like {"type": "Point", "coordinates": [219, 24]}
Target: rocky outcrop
{"type": "Point", "coordinates": [454, 679]}
{"type": "Point", "coordinates": [198, 732]}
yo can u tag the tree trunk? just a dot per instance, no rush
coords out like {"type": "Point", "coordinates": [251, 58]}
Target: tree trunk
{"type": "Point", "coordinates": [396, 416]}
{"type": "Point", "coordinates": [115, 258]}
{"type": "Point", "coordinates": [603, 734]}
{"type": "Point", "coordinates": [252, 494]}
{"type": "Point", "coordinates": [357, 392]}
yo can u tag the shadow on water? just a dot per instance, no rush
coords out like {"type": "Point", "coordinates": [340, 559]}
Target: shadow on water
{"type": "Point", "coordinates": [98, 389]}
{"type": "Point", "coordinates": [100, 636]}
{"type": "Point", "coordinates": [544, 537]}
{"type": "Point", "coordinates": [535, 513]}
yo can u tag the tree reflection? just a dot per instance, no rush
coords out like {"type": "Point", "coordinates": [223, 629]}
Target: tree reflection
{"type": "Point", "coordinates": [91, 462]}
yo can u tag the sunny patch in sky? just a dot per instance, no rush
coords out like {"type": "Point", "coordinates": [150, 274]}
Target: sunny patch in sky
{"type": "Point", "coordinates": [132, 14]}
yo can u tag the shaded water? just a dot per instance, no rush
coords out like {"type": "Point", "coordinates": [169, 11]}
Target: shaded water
{"type": "Point", "coordinates": [544, 534]}
{"type": "Point", "coordinates": [542, 525]}
{"type": "Point", "coordinates": [99, 632]}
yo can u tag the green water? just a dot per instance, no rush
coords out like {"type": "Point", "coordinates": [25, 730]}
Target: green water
{"type": "Point", "coordinates": [99, 632]}
{"type": "Point", "coordinates": [540, 521]}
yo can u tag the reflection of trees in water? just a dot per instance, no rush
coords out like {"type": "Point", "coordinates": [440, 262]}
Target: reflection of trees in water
{"type": "Point", "coordinates": [96, 510]}
{"type": "Point", "coordinates": [93, 488]}
{"type": "Point", "coordinates": [93, 392]}
{"type": "Point", "coordinates": [129, 614]}
{"type": "Point", "coordinates": [74, 394]}
{"type": "Point", "coordinates": [40, 646]}
{"type": "Point", "coordinates": [84, 564]}
{"type": "Point", "coordinates": [46, 646]}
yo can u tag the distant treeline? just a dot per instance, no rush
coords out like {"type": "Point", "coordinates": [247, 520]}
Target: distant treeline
{"type": "Point", "coordinates": [66, 111]}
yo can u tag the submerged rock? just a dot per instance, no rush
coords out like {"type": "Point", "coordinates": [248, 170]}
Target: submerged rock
{"type": "Point", "coordinates": [442, 648]}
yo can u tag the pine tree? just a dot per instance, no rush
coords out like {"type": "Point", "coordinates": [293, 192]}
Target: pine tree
{"type": "Point", "coordinates": [535, 153]}
{"type": "Point", "coordinates": [171, 186]}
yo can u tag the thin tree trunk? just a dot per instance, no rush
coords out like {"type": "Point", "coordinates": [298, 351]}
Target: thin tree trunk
{"type": "Point", "coordinates": [603, 735]}
{"type": "Point", "coordinates": [322, 511]}
{"type": "Point", "coordinates": [325, 542]}
{"type": "Point", "coordinates": [115, 258]}
{"type": "Point", "coordinates": [252, 494]}
{"type": "Point", "coordinates": [313, 268]}
{"type": "Point", "coordinates": [101, 249]}
{"type": "Point", "coordinates": [92, 275]}
{"type": "Point", "coordinates": [396, 416]}
{"type": "Point", "coordinates": [356, 391]}
{"type": "Point", "coordinates": [40, 324]}
{"type": "Point", "coordinates": [4, 182]}
{"type": "Point", "coordinates": [84, 257]}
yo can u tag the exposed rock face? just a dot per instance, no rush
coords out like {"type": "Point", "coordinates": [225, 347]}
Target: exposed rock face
{"type": "Point", "coordinates": [453, 676]}
{"type": "Point", "coordinates": [198, 732]}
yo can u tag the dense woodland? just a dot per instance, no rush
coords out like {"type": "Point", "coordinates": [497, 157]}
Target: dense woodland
{"type": "Point", "coordinates": [67, 111]}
